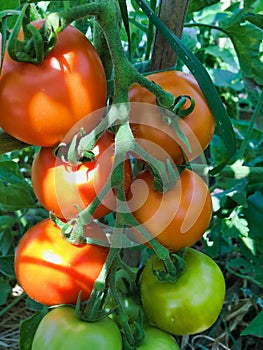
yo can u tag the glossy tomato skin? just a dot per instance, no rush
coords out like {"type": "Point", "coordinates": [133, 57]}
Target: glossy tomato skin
{"type": "Point", "coordinates": [177, 218]}
{"type": "Point", "coordinates": [156, 339]}
{"type": "Point", "coordinates": [132, 309]}
{"type": "Point", "coordinates": [41, 102]}
{"type": "Point", "coordinates": [147, 124]}
{"type": "Point", "coordinates": [53, 271]}
{"type": "Point", "coordinates": [60, 329]}
{"type": "Point", "coordinates": [60, 187]}
{"type": "Point", "coordinates": [192, 303]}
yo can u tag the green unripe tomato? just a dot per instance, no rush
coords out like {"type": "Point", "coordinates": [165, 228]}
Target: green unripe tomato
{"type": "Point", "coordinates": [60, 329]}
{"type": "Point", "coordinates": [192, 303]}
{"type": "Point", "coordinates": [155, 339]}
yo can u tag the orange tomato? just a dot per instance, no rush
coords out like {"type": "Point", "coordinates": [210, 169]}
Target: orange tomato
{"type": "Point", "coordinates": [155, 135]}
{"type": "Point", "coordinates": [53, 271]}
{"type": "Point", "coordinates": [41, 102]}
{"type": "Point", "coordinates": [177, 218]}
{"type": "Point", "coordinates": [63, 188]}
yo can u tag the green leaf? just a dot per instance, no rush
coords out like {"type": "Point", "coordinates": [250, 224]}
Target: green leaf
{"type": "Point", "coordinates": [198, 5]}
{"type": "Point", "coordinates": [7, 265]}
{"type": "Point", "coordinates": [15, 192]}
{"type": "Point", "coordinates": [28, 328]}
{"type": "Point", "coordinates": [236, 190]}
{"type": "Point", "coordinates": [225, 54]}
{"type": "Point", "coordinates": [257, 20]}
{"type": "Point", "coordinates": [5, 289]}
{"type": "Point", "coordinates": [222, 77]}
{"type": "Point", "coordinates": [255, 327]}
{"type": "Point", "coordinates": [33, 305]}
{"type": "Point", "coordinates": [246, 38]}
{"type": "Point", "coordinates": [6, 222]}
{"type": "Point", "coordinates": [125, 18]}
{"type": "Point", "coordinates": [6, 242]}
{"type": "Point", "coordinates": [235, 226]}
{"type": "Point", "coordinates": [9, 4]}
{"type": "Point", "coordinates": [253, 213]}
{"type": "Point", "coordinates": [217, 150]}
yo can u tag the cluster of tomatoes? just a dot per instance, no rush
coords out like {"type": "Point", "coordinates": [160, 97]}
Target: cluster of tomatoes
{"type": "Point", "coordinates": [40, 104]}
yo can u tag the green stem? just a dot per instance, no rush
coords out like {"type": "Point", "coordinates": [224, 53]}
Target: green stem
{"type": "Point", "coordinates": [209, 26]}
{"type": "Point", "coordinates": [150, 33]}
{"type": "Point", "coordinates": [102, 49]}
{"type": "Point", "coordinates": [245, 277]}
{"type": "Point", "coordinates": [236, 171]}
{"type": "Point", "coordinates": [129, 340]}
{"type": "Point", "coordinates": [94, 307]}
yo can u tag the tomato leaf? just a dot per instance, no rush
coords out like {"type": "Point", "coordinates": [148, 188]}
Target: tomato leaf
{"type": "Point", "coordinates": [253, 213]}
{"type": "Point", "coordinates": [15, 192]}
{"type": "Point", "coordinates": [198, 5]}
{"type": "Point", "coordinates": [125, 18]}
{"type": "Point", "coordinates": [5, 289]}
{"type": "Point", "coordinates": [6, 221]}
{"type": "Point", "coordinates": [255, 326]}
{"type": "Point", "coordinates": [10, 5]}
{"type": "Point", "coordinates": [246, 37]}
{"type": "Point", "coordinates": [6, 242]}
{"type": "Point", "coordinates": [7, 265]}
{"type": "Point", "coordinates": [28, 328]}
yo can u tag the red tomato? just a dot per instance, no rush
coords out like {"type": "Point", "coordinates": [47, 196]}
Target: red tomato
{"type": "Point", "coordinates": [61, 187]}
{"type": "Point", "coordinates": [53, 271]}
{"type": "Point", "coordinates": [41, 102]}
{"type": "Point", "coordinates": [177, 218]}
{"type": "Point", "coordinates": [153, 133]}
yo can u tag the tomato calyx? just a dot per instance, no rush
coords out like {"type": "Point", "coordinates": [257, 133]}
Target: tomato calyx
{"type": "Point", "coordinates": [162, 274]}
{"type": "Point", "coordinates": [74, 232]}
{"type": "Point", "coordinates": [73, 154]}
{"type": "Point", "coordinates": [113, 289]}
{"type": "Point", "coordinates": [36, 44]}
{"type": "Point", "coordinates": [123, 288]}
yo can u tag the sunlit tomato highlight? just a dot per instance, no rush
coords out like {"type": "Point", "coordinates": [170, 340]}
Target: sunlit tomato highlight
{"type": "Point", "coordinates": [65, 189]}
{"type": "Point", "coordinates": [41, 102]}
{"type": "Point", "coordinates": [53, 271]}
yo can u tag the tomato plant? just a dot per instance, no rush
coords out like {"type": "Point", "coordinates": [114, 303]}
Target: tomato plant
{"type": "Point", "coordinates": [52, 178]}
{"type": "Point", "coordinates": [133, 309]}
{"type": "Point", "coordinates": [61, 329]}
{"type": "Point", "coordinates": [156, 339]}
{"type": "Point", "coordinates": [53, 271]}
{"type": "Point", "coordinates": [41, 102]}
{"type": "Point", "coordinates": [192, 303]}
{"type": "Point", "coordinates": [176, 218]}
{"type": "Point", "coordinates": [151, 130]}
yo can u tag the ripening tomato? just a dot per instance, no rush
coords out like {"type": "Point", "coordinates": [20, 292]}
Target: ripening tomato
{"type": "Point", "coordinates": [53, 271]}
{"type": "Point", "coordinates": [41, 102]}
{"type": "Point", "coordinates": [192, 303]}
{"type": "Point", "coordinates": [153, 133]}
{"type": "Point", "coordinates": [156, 339]}
{"type": "Point", "coordinates": [177, 218]}
{"type": "Point", "coordinates": [63, 188]}
{"type": "Point", "coordinates": [60, 329]}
